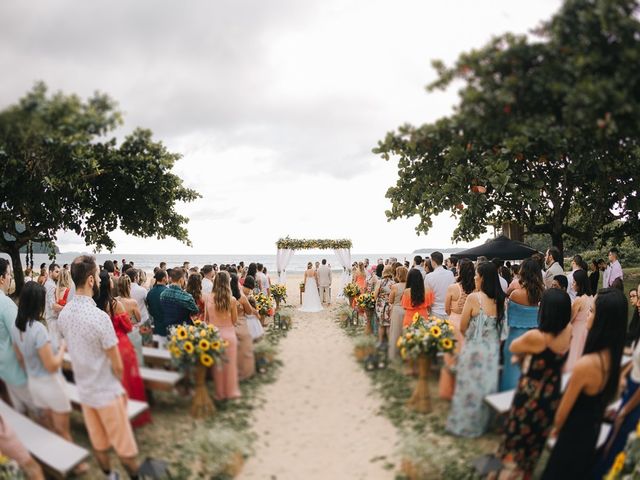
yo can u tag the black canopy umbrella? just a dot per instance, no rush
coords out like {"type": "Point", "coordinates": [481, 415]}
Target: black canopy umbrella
{"type": "Point", "coordinates": [501, 247]}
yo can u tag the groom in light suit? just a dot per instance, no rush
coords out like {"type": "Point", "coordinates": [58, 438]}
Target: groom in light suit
{"type": "Point", "coordinates": [324, 281]}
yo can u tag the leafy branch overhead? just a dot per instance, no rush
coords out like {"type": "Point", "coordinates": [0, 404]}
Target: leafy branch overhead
{"type": "Point", "coordinates": [545, 132]}
{"type": "Point", "coordinates": [59, 170]}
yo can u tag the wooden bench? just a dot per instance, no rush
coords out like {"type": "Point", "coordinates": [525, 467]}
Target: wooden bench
{"type": "Point", "coordinates": [57, 455]}
{"type": "Point", "coordinates": [134, 407]}
{"type": "Point", "coordinates": [153, 379]}
{"type": "Point", "coordinates": [501, 402]}
{"type": "Point", "coordinates": [156, 356]}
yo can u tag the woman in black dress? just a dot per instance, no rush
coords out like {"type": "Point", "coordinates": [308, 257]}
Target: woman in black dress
{"type": "Point", "coordinates": [542, 352]}
{"type": "Point", "coordinates": [594, 277]}
{"type": "Point", "coordinates": [593, 384]}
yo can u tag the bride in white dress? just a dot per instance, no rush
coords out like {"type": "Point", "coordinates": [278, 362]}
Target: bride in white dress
{"type": "Point", "coordinates": [311, 297]}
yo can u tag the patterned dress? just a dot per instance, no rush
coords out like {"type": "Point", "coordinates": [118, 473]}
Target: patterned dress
{"type": "Point", "coordinates": [477, 377]}
{"type": "Point", "coordinates": [382, 302]}
{"type": "Point", "coordinates": [534, 405]}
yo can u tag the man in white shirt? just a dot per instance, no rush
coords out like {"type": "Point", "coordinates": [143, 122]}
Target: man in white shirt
{"type": "Point", "coordinates": [614, 270]}
{"type": "Point", "coordinates": [417, 264]}
{"type": "Point", "coordinates": [207, 278]}
{"type": "Point", "coordinates": [438, 281]}
{"type": "Point", "coordinates": [499, 263]}
{"type": "Point", "coordinates": [51, 307]}
{"type": "Point", "coordinates": [551, 260]}
{"type": "Point", "coordinates": [97, 369]}
{"type": "Point", "coordinates": [576, 264]}
{"type": "Point", "coordinates": [139, 294]}
{"type": "Point", "coordinates": [261, 279]}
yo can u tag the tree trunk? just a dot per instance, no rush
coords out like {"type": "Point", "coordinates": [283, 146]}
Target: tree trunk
{"type": "Point", "coordinates": [558, 242]}
{"type": "Point", "coordinates": [18, 272]}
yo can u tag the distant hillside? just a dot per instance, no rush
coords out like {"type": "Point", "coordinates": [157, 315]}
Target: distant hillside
{"type": "Point", "coordinates": [441, 250]}
{"type": "Point", "coordinates": [40, 248]}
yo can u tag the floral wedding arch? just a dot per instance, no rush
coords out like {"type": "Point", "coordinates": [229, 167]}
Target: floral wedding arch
{"type": "Point", "coordinates": [287, 246]}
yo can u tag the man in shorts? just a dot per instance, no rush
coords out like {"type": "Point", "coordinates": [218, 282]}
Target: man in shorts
{"type": "Point", "coordinates": [97, 368]}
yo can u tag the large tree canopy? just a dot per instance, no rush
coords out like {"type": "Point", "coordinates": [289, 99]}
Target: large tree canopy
{"type": "Point", "coordinates": [546, 132]}
{"type": "Point", "coordinates": [59, 170]}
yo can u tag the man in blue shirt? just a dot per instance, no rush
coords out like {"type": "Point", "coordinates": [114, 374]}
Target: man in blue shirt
{"type": "Point", "coordinates": [155, 307]}
{"type": "Point", "coordinates": [11, 373]}
{"type": "Point", "coordinates": [177, 305]}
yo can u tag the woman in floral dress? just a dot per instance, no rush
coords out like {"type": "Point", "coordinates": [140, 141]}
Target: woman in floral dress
{"type": "Point", "coordinates": [383, 309]}
{"type": "Point", "coordinates": [538, 393]}
{"type": "Point", "coordinates": [477, 372]}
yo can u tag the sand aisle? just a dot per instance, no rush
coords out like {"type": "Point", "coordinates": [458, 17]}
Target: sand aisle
{"type": "Point", "coordinates": [319, 419]}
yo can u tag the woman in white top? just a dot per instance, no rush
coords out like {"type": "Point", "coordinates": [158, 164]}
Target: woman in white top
{"type": "Point", "coordinates": [33, 348]}
{"type": "Point", "coordinates": [311, 299]}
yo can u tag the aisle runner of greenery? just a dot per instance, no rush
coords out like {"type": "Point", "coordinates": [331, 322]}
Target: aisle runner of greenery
{"type": "Point", "coordinates": [426, 449]}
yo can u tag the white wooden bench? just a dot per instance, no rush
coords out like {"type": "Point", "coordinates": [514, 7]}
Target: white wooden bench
{"type": "Point", "coordinates": [501, 402]}
{"type": "Point", "coordinates": [156, 356]}
{"type": "Point", "coordinates": [57, 455]}
{"type": "Point", "coordinates": [134, 407]}
{"type": "Point", "coordinates": [153, 379]}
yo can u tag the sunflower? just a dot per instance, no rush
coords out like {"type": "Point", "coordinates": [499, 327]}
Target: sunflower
{"type": "Point", "coordinates": [204, 344]}
{"type": "Point", "coordinates": [211, 327]}
{"type": "Point", "coordinates": [192, 329]}
{"type": "Point", "coordinates": [435, 331]}
{"type": "Point", "coordinates": [399, 342]}
{"type": "Point", "coordinates": [446, 343]}
{"type": "Point", "coordinates": [416, 317]}
{"type": "Point", "coordinates": [197, 322]}
{"type": "Point", "coordinates": [206, 360]}
{"type": "Point", "coordinates": [175, 352]}
{"type": "Point", "coordinates": [188, 347]}
{"type": "Point", "coordinates": [203, 333]}
{"type": "Point", "coordinates": [182, 333]}
{"type": "Point", "coordinates": [215, 345]}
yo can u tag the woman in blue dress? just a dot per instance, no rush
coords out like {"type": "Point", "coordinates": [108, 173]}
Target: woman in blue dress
{"type": "Point", "coordinates": [522, 316]}
{"type": "Point", "coordinates": [477, 370]}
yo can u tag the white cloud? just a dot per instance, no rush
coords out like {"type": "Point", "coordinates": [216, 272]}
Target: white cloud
{"type": "Point", "coordinates": [275, 106]}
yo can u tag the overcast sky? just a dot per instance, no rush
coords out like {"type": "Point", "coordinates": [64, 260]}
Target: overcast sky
{"type": "Point", "coordinates": [274, 105]}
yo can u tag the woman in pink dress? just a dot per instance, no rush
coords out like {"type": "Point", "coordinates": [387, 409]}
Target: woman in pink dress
{"type": "Point", "coordinates": [221, 310]}
{"type": "Point", "coordinates": [579, 313]}
{"type": "Point", "coordinates": [453, 304]}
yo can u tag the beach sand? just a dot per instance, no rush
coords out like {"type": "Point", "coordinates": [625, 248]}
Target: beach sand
{"type": "Point", "coordinates": [319, 419]}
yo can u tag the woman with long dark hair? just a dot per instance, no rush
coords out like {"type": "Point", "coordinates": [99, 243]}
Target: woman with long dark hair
{"type": "Point", "coordinates": [538, 393]}
{"type": "Point", "coordinates": [477, 370]}
{"type": "Point", "coordinates": [579, 314]}
{"type": "Point", "coordinates": [592, 386]}
{"type": "Point", "coordinates": [454, 304]}
{"type": "Point", "coordinates": [246, 359]}
{"type": "Point", "coordinates": [594, 276]}
{"type": "Point", "coordinates": [194, 287]}
{"type": "Point", "coordinates": [414, 298]}
{"type": "Point", "coordinates": [522, 315]}
{"type": "Point", "coordinates": [131, 379]}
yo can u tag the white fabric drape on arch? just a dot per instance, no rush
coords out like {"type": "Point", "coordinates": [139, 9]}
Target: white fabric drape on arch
{"type": "Point", "coordinates": [282, 260]}
{"type": "Point", "coordinates": [344, 256]}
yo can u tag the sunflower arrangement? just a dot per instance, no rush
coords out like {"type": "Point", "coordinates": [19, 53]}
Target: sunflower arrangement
{"type": "Point", "coordinates": [627, 463]}
{"type": "Point", "coordinates": [9, 469]}
{"type": "Point", "coordinates": [351, 290]}
{"type": "Point", "coordinates": [264, 305]}
{"type": "Point", "coordinates": [366, 301]}
{"type": "Point", "coordinates": [279, 292]}
{"type": "Point", "coordinates": [426, 336]}
{"type": "Point", "coordinates": [196, 344]}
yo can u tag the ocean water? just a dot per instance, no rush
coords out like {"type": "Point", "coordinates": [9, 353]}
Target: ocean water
{"type": "Point", "coordinates": [298, 261]}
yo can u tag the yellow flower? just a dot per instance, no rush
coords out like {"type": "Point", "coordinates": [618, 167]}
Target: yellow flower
{"type": "Point", "coordinates": [435, 331]}
{"type": "Point", "coordinates": [399, 342]}
{"type": "Point", "coordinates": [192, 329]}
{"type": "Point", "coordinates": [173, 339]}
{"type": "Point", "coordinates": [197, 322]}
{"type": "Point", "coordinates": [182, 333]}
{"type": "Point", "coordinates": [206, 360]}
{"type": "Point", "coordinates": [188, 347]}
{"type": "Point", "coordinates": [215, 345]}
{"type": "Point", "coordinates": [210, 327]}
{"type": "Point", "coordinates": [403, 352]}
{"type": "Point", "coordinates": [192, 338]}
{"type": "Point", "coordinates": [175, 351]}
{"type": "Point", "coordinates": [204, 344]}
{"type": "Point", "coordinates": [618, 463]}
{"type": "Point", "coordinates": [203, 333]}
{"type": "Point", "coordinates": [416, 317]}
{"type": "Point", "coordinates": [446, 343]}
